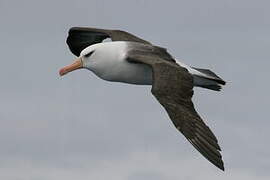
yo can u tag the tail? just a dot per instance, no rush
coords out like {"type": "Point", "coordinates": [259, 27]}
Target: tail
{"type": "Point", "coordinates": [204, 78]}
{"type": "Point", "coordinates": [207, 79]}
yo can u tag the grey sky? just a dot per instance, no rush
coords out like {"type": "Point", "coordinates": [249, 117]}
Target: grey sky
{"type": "Point", "coordinates": [81, 127]}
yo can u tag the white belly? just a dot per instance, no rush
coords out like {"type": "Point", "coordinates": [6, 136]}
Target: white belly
{"type": "Point", "coordinates": [130, 73]}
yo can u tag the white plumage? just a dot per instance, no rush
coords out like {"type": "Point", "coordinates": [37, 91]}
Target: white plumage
{"type": "Point", "coordinates": [108, 61]}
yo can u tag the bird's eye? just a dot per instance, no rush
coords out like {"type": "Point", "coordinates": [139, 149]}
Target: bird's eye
{"type": "Point", "coordinates": [89, 54]}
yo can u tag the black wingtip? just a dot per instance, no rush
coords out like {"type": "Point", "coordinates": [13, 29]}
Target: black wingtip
{"type": "Point", "coordinates": [221, 168]}
{"type": "Point", "coordinates": [219, 165]}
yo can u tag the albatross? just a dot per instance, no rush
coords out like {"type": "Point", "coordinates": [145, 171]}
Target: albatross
{"type": "Point", "coordinates": [130, 59]}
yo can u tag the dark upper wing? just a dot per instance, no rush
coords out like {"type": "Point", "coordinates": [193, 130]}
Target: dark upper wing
{"type": "Point", "coordinates": [172, 86]}
{"type": "Point", "coordinates": [81, 37]}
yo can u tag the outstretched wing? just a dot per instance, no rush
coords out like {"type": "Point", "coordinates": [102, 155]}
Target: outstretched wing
{"type": "Point", "coordinates": [172, 87]}
{"type": "Point", "coordinates": [81, 37]}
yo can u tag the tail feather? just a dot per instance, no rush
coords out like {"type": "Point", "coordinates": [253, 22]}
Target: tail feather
{"type": "Point", "coordinates": [208, 79]}
{"type": "Point", "coordinates": [203, 82]}
{"type": "Point", "coordinates": [204, 78]}
{"type": "Point", "coordinates": [211, 75]}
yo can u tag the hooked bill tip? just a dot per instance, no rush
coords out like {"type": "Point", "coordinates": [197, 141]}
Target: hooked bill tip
{"type": "Point", "coordinates": [62, 72]}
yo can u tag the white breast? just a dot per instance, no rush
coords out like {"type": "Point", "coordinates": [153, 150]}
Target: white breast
{"type": "Point", "coordinates": [109, 63]}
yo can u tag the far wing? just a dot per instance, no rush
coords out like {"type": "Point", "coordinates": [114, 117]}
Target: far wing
{"type": "Point", "coordinates": [81, 37]}
{"type": "Point", "coordinates": [172, 86]}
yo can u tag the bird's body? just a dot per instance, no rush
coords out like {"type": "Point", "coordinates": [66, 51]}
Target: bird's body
{"type": "Point", "coordinates": [132, 60]}
{"type": "Point", "coordinates": [112, 64]}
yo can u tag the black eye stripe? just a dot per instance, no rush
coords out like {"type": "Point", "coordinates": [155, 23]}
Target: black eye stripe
{"type": "Point", "coordinates": [89, 54]}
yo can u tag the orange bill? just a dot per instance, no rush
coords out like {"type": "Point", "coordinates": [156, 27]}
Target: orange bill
{"type": "Point", "coordinates": [77, 64]}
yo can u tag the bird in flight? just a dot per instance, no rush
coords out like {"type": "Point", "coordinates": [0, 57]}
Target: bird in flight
{"type": "Point", "coordinates": [130, 59]}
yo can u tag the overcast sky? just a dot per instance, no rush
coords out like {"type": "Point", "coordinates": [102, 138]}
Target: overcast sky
{"type": "Point", "coordinates": [81, 127]}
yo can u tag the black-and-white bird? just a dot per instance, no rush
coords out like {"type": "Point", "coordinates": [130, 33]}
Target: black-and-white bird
{"type": "Point", "coordinates": [132, 60]}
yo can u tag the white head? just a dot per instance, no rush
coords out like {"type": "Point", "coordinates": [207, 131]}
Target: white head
{"type": "Point", "coordinates": [101, 58]}
{"type": "Point", "coordinates": [98, 58]}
